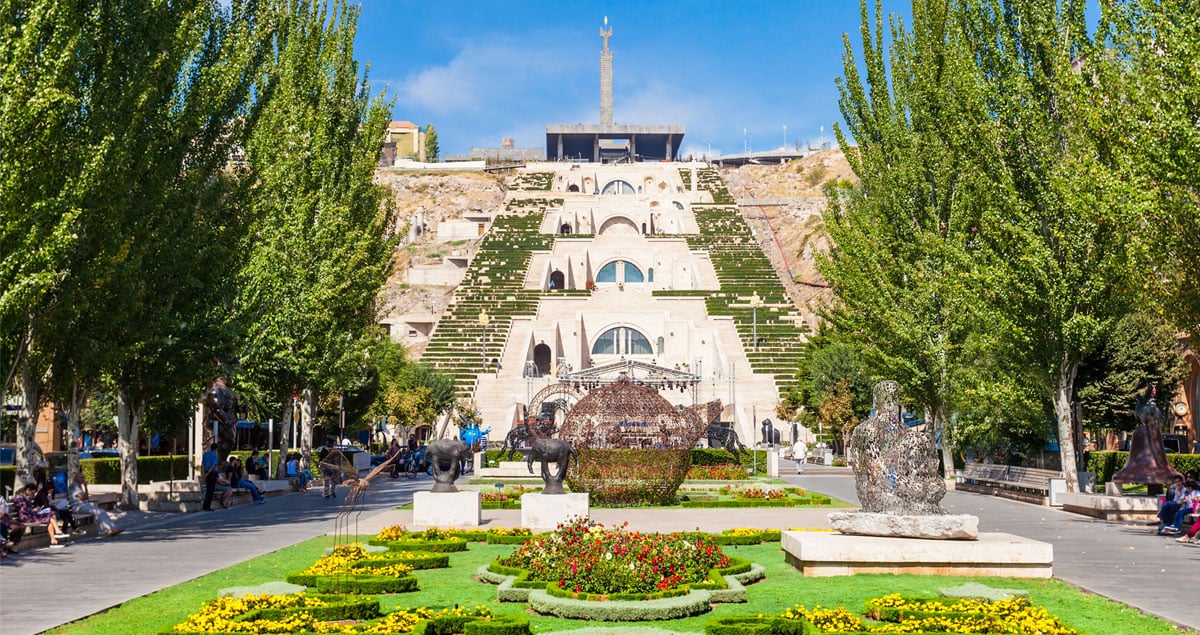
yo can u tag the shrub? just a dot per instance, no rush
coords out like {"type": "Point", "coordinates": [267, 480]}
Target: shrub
{"type": "Point", "coordinates": [722, 472]}
{"type": "Point", "coordinates": [1105, 463]}
{"type": "Point", "coordinates": [630, 476]}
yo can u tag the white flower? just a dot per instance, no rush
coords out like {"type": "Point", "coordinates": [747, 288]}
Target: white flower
{"type": "Point", "coordinates": [608, 556]}
{"type": "Point", "coordinates": [630, 566]}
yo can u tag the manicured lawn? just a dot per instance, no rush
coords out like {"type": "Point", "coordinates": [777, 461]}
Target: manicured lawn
{"type": "Point", "coordinates": [782, 588]}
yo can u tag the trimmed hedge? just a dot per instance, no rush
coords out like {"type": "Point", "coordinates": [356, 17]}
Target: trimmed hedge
{"type": "Point", "coordinates": [813, 499]}
{"type": "Point", "coordinates": [559, 592]}
{"type": "Point", "coordinates": [355, 584]}
{"type": "Point", "coordinates": [700, 456]}
{"type": "Point", "coordinates": [693, 603]}
{"type": "Point", "coordinates": [756, 625]}
{"type": "Point", "coordinates": [437, 546]}
{"type": "Point", "coordinates": [471, 625]}
{"type": "Point", "coordinates": [1105, 463]}
{"type": "Point", "coordinates": [108, 471]}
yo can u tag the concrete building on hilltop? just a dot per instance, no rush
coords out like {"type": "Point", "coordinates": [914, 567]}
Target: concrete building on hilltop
{"type": "Point", "coordinates": [609, 142]}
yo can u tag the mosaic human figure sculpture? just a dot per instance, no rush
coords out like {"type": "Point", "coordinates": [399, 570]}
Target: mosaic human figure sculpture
{"type": "Point", "coordinates": [895, 469]}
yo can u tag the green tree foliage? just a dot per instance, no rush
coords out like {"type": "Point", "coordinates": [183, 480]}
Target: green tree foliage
{"type": "Point", "coordinates": [1061, 212]}
{"type": "Point", "coordinates": [322, 242]}
{"type": "Point", "coordinates": [409, 393]}
{"type": "Point", "coordinates": [149, 96]}
{"type": "Point", "coordinates": [1160, 84]}
{"type": "Point", "coordinates": [432, 150]}
{"type": "Point", "coordinates": [901, 261]}
{"type": "Point", "coordinates": [1142, 350]}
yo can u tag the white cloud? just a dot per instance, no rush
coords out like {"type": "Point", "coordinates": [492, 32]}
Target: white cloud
{"type": "Point", "coordinates": [484, 76]}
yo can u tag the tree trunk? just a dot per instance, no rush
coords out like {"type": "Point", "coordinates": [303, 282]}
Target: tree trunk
{"type": "Point", "coordinates": [26, 427]}
{"type": "Point", "coordinates": [308, 413]}
{"type": "Point", "coordinates": [941, 424]}
{"type": "Point", "coordinates": [129, 417]}
{"type": "Point", "coordinates": [1066, 429]}
{"type": "Point", "coordinates": [74, 405]}
{"type": "Point", "coordinates": [285, 438]}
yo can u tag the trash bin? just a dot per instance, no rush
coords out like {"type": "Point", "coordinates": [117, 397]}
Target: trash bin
{"type": "Point", "coordinates": [1057, 486]}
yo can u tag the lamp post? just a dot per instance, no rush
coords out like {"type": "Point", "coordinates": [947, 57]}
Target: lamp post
{"type": "Point", "coordinates": [484, 320]}
{"type": "Point", "coordinates": [755, 303]}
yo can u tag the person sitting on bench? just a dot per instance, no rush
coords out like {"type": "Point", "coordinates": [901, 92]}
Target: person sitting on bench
{"type": "Point", "coordinates": [82, 504]}
{"type": "Point", "coordinates": [28, 512]}
{"type": "Point", "coordinates": [238, 479]}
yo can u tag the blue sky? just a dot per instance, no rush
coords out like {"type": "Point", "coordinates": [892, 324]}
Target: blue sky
{"type": "Point", "coordinates": [483, 70]}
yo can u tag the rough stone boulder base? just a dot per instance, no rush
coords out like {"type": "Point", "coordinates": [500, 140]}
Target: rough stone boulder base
{"type": "Point", "coordinates": [943, 527]}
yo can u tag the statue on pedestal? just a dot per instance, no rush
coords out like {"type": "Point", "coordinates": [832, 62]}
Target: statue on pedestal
{"type": "Point", "coordinates": [446, 457]}
{"type": "Point", "coordinates": [551, 451]}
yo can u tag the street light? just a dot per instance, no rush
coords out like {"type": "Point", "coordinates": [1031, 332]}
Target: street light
{"type": "Point", "coordinates": [484, 319]}
{"type": "Point", "coordinates": [755, 303]}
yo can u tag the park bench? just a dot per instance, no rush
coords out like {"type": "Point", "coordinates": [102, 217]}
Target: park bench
{"type": "Point", "coordinates": [1027, 484]}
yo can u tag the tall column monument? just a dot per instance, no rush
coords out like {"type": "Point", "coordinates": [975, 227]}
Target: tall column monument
{"type": "Point", "coordinates": [606, 115]}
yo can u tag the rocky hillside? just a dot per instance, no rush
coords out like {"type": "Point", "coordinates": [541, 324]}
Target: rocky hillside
{"type": "Point", "coordinates": [435, 197]}
{"type": "Point", "coordinates": [792, 232]}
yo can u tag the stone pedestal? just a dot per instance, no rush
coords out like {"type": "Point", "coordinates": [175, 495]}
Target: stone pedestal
{"type": "Point", "coordinates": [773, 463]}
{"type": "Point", "coordinates": [943, 527]}
{"type": "Point", "coordinates": [463, 510]}
{"type": "Point", "coordinates": [543, 512]}
{"type": "Point", "coordinates": [998, 554]}
{"type": "Point", "coordinates": [1118, 508]}
{"type": "Point", "coordinates": [508, 469]}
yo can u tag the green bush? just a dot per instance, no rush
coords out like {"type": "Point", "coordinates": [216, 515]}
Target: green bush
{"type": "Point", "coordinates": [470, 625]}
{"type": "Point", "coordinates": [693, 603]}
{"type": "Point", "coordinates": [1105, 463]}
{"type": "Point", "coordinates": [355, 584]}
{"type": "Point", "coordinates": [756, 625]}
{"type": "Point", "coordinates": [720, 456]}
{"type": "Point", "coordinates": [630, 476]}
{"type": "Point", "coordinates": [108, 471]}
{"type": "Point", "coordinates": [437, 546]}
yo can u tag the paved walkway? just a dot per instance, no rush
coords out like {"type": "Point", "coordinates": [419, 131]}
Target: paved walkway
{"type": "Point", "coordinates": [1125, 562]}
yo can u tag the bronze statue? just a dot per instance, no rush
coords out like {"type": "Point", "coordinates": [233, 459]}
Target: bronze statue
{"type": "Point", "coordinates": [1147, 461]}
{"type": "Point", "coordinates": [549, 451]}
{"type": "Point", "coordinates": [446, 457]}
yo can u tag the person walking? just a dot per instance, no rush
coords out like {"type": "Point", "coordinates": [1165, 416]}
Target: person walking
{"type": "Point", "coordinates": [208, 469]}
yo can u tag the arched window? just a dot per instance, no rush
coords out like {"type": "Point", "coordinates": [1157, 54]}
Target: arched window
{"type": "Point", "coordinates": [650, 274]}
{"type": "Point", "coordinates": [565, 229]}
{"type": "Point", "coordinates": [620, 271]}
{"type": "Point", "coordinates": [622, 340]}
{"type": "Point", "coordinates": [608, 273]}
{"type": "Point", "coordinates": [618, 187]}
{"type": "Point", "coordinates": [678, 205]}
{"type": "Point", "coordinates": [662, 345]}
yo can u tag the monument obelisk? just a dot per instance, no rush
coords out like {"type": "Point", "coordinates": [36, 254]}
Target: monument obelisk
{"type": "Point", "coordinates": [606, 91]}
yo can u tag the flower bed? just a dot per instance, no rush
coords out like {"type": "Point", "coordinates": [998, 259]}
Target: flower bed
{"type": "Point", "coordinates": [396, 538]}
{"type": "Point", "coordinates": [584, 571]}
{"type": "Point", "coordinates": [304, 613]}
{"type": "Point", "coordinates": [722, 472]}
{"type": "Point", "coordinates": [350, 569]}
{"type": "Point", "coordinates": [757, 497]}
{"type": "Point", "coordinates": [897, 614]}
{"type": "Point", "coordinates": [506, 498]}
{"type": "Point", "coordinates": [586, 558]}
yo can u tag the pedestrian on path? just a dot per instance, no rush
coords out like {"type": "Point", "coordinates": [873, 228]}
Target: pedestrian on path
{"type": "Point", "coordinates": [208, 468]}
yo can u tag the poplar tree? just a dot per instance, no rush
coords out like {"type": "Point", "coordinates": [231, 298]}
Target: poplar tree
{"type": "Point", "coordinates": [322, 244]}
{"type": "Point", "coordinates": [901, 263]}
{"type": "Point", "coordinates": [1158, 89]}
{"type": "Point", "coordinates": [1063, 212]}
